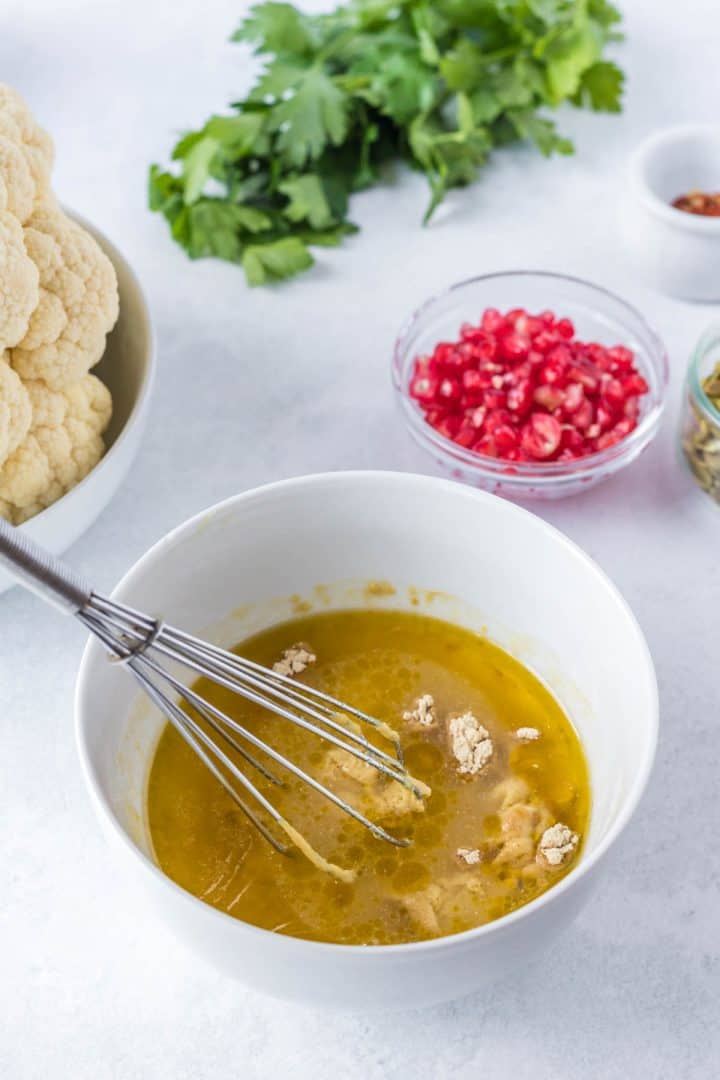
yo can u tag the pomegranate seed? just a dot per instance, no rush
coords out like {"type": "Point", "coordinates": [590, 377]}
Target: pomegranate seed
{"type": "Point", "coordinates": [547, 318]}
{"type": "Point", "coordinates": [548, 396]}
{"type": "Point", "coordinates": [449, 390]}
{"type": "Point", "coordinates": [554, 371]}
{"type": "Point", "coordinates": [565, 329]}
{"type": "Point", "coordinates": [440, 356]}
{"type": "Point", "coordinates": [580, 373]}
{"type": "Point", "coordinates": [525, 324]}
{"type": "Point", "coordinates": [634, 385]}
{"type": "Point", "coordinates": [449, 426]}
{"type": "Point", "coordinates": [460, 359]}
{"type": "Point", "coordinates": [492, 321]}
{"type": "Point", "coordinates": [615, 435]}
{"type": "Point", "coordinates": [583, 417]}
{"type": "Point", "coordinates": [573, 397]}
{"type": "Point", "coordinates": [540, 436]}
{"type": "Point", "coordinates": [520, 397]}
{"type": "Point", "coordinates": [485, 347]}
{"type": "Point", "coordinates": [423, 388]}
{"type": "Point", "coordinates": [613, 394]}
{"type": "Point", "coordinates": [621, 359]}
{"type": "Point", "coordinates": [473, 382]}
{"type": "Point", "coordinates": [545, 340]}
{"type": "Point", "coordinates": [604, 417]}
{"type": "Point", "coordinates": [487, 446]}
{"type": "Point", "coordinates": [571, 439]}
{"type": "Point", "coordinates": [496, 419]}
{"type": "Point", "coordinates": [505, 439]}
{"type": "Point", "coordinates": [515, 346]}
{"type": "Point", "coordinates": [495, 399]}
{"type": "Point", "coordinates": [466, 435]}
{"type": "Point", "coordinates": [477, 417]}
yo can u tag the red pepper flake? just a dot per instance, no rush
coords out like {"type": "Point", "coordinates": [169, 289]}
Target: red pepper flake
{"type": "Point", "coordinates": [522, 387]}
{"type": "Point", "coordinates": [705, 204]}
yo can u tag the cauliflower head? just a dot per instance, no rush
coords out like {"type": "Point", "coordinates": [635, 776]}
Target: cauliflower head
{"type": "Point", "coordinates": [78, 301]}
{"type": "Point", "coordinates": [63, 443]}
{"type": "Point", "coordinates": [58, 301]}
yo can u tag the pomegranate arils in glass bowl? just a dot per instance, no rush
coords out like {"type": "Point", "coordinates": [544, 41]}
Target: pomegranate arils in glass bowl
{"type": "Point", "coordinates": [522, 388]}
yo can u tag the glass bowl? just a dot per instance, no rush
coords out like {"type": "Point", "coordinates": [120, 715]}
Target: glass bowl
{"type": "Point", "coordinates": [700, 418]}
{"type": "Point", "coordinates": [598, 315]}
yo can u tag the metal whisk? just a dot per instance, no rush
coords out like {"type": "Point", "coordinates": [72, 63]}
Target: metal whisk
{"type": "Point", "coordinates": [145, 645]}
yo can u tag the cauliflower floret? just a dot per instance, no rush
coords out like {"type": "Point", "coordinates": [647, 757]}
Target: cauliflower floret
{"type": "Point", "coordinates": [19, 278]}
{"type": "Point", "coordinates": [15, 411]}
{"type": "Point", "coordinates": [77, 306]}
{"type": "Point", "coordinates": [19, 183]}
{"type": "Point", "coordinates": [63, 444]}
{"type": "Point", "coordinates": [18, 126]}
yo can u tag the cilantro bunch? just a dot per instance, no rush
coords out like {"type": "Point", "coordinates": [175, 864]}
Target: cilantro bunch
{"type": "Point", "coordinates": [434, 83]}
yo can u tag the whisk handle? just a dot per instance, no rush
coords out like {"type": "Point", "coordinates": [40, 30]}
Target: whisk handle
{"type": "Point", "coordinates": [40, 571]}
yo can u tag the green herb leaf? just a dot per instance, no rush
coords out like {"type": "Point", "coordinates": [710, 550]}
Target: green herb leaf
{"type": "Point", "coordinates": [540, 131]}
{"type": "Point", "coordinates": [280, 259]}
{"type": "Point", "coordinates": [313, 115]}
{"type": "Point", "coordinates": [568, 56]}
{"type": "Point", "coordinates": [307, 200]}
{"type": "Point", "coordinates": [601, 87]}
{"type": "Point", "coordinates": [277, 28]}
{"type": "Point", "coordinates": [196, 170]}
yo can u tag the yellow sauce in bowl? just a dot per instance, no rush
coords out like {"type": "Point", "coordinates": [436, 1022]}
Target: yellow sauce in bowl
{"type": "Point", "coordinates": [477, 841]}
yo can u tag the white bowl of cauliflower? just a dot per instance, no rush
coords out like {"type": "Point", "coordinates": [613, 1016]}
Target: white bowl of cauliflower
{"type": "Point", "coordinates": [76, 349]}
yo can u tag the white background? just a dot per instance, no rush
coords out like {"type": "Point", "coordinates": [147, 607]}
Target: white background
{"type": "Point", "coordinates": [257, 385]}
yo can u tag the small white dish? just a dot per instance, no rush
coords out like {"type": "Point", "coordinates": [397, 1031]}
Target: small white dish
{"type": "Point", "coordinates": [128, 370]}
{"type": "Point", "coordinates": [677, 252]}
{"type": "Point", "coordinates": [518, 579]}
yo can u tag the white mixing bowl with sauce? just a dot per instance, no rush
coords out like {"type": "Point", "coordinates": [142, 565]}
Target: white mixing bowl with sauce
{"type": "Point", "coordinates": [465, 556]}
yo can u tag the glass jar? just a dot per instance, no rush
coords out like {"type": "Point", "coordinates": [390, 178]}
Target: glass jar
{"type": "Point", "coordinates": [700, 421]}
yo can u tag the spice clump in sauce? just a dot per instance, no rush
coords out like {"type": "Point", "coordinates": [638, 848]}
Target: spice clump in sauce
{"type": "Point", "coordinates": [423, 712]}
{"type": "Point", "coordinates": [492, 820]}
{"type": "Point", "coordinates": [294, 660]}
{"type": "Point", "coordinates": [702, 203]}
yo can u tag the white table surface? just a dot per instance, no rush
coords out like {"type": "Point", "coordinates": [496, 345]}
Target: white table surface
{"type": "Point", "coordinates": [258, 385]}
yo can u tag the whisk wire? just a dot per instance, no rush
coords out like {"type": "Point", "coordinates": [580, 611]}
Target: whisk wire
{"type": "Point", "coordinates": [191, 733]}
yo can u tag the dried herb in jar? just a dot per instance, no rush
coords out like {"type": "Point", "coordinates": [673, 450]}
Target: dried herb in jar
{"type": "Point", "coordinates": [701, 437]}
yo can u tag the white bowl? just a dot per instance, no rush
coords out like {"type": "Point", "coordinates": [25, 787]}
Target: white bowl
{"type": "Point", "coordinates": [128, 370]}
{"type": "Point", "coordinates": [520, 580]}
{"type": "Point", "coordinates": [678, 253]}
